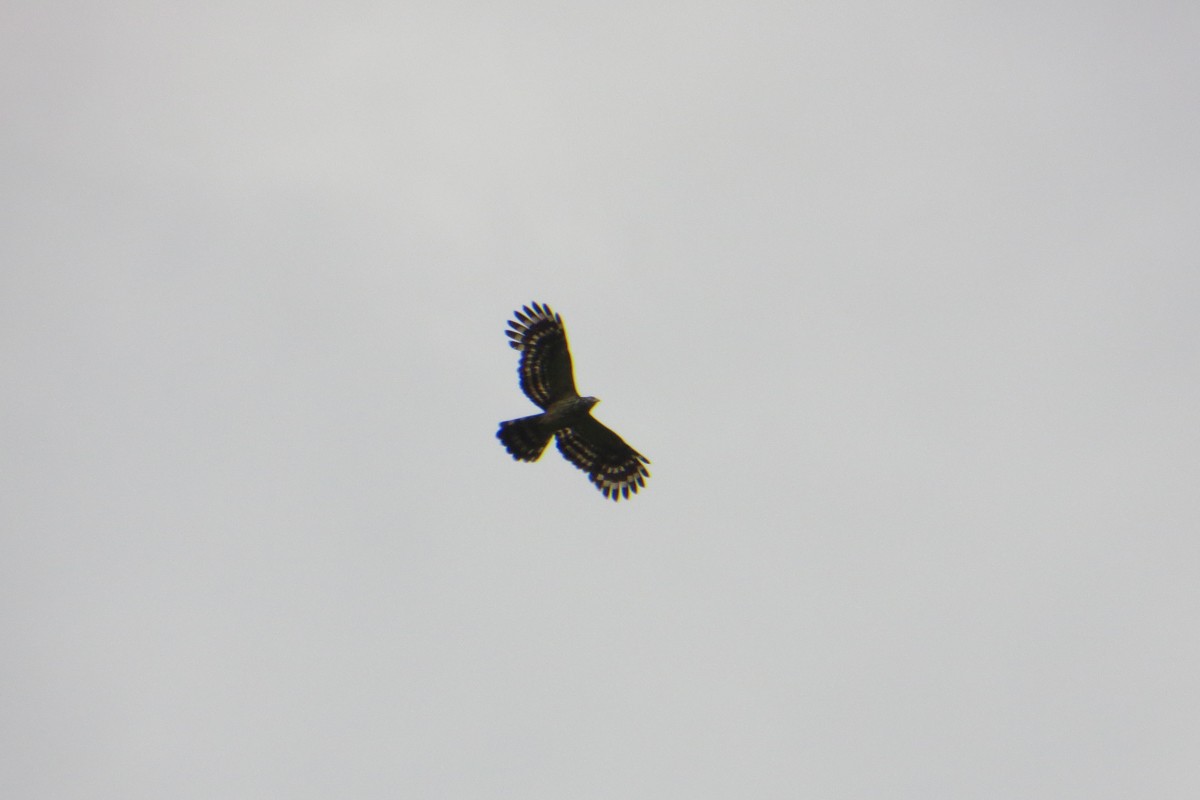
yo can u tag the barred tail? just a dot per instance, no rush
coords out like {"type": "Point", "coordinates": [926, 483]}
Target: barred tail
{"type": "Point", "coordinates": [524, 438]}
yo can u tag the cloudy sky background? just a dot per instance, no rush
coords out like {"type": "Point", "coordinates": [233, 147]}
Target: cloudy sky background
{"type": "Point", "coordinates": [901, 301]}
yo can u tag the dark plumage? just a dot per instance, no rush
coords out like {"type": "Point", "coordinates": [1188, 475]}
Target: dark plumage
{"type": "Point", "coordinates": [547, 379]}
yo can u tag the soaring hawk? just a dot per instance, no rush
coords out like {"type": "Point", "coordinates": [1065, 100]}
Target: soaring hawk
{"type": "Point", "coordinates": [547, 379]}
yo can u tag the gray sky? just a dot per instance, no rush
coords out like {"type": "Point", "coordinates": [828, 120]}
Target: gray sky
{"type": "Point", "coordinates": [900, 299]}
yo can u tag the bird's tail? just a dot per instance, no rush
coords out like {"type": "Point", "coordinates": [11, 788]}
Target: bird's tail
{"type": "Point", "coordinates": [524, 438]}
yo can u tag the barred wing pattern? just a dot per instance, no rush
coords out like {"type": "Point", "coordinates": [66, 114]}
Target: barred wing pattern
{"type": "Point", "coordinates": [616, 468]}
{"type": "Point", "coordinates": [546, 372]}
{"type": "Point", "coordinates": [546, 376]}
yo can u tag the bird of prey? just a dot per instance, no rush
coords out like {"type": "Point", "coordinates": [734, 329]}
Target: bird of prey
{"type": "Point", "coordinates": [548, 380]}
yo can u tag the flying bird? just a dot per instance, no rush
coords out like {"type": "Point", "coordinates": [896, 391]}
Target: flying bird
{"type": "Point", "coordinates": [547, 379]}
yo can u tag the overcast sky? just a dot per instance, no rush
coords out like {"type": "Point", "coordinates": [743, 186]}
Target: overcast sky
{"type": "Point", "coordinates": [901, 300]}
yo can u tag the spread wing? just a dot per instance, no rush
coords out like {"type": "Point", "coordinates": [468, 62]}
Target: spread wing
{"type": "Point", "coordinates": [545, 369]}
{"type": "Point", "coordinates": [616, 468]}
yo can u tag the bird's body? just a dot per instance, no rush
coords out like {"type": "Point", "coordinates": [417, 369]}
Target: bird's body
{"type": "Point", "coordinates": [547, 378]}
{"type": "Point", "coordinates": [563, 412]}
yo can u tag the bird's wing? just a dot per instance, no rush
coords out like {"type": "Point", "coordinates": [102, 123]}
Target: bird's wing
{"type": "Point", "coordinates": [616, 468]}
{"type": "Point", "coordinates": [545, 368]}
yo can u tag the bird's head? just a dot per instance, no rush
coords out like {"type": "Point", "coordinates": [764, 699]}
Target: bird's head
{"type": "Point", "coordinates": [588, 402]}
